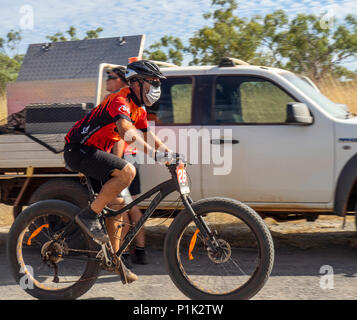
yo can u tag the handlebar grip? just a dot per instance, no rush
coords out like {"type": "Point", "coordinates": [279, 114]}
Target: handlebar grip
{"type": "Point", "coordinates": [168, 156]}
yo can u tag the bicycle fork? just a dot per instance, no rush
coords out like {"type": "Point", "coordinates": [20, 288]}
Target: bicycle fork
{"type": "Point", "coordinates": [209, 236]}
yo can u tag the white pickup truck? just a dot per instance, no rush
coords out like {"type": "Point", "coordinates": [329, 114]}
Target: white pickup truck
{"type": "Point", "coordinates": [261, 135]}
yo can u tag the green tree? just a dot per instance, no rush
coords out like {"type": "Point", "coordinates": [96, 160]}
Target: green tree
{"type": "Point", "coordinates": [308, 46]}
{"type": "Point", "coordinates": [173, 47]}
{"type": "Point", "coordinates": [10, 60]}
{"type": "Point", "coordinates": [72, 33]}
{"type": "Point", "coordinates": [9, 68]}
{"type": "Point", "coordinates": [13, 40]}
{"type": "Point", "coordinates": [93, 34]}
{"type": "Point", "coordinates": [228, 36]}
{"type": "Point", "coordinates": [58, 36]}
{"type": "Point", "coordinates": [305, 44]}
{"type": "Point", "coordinates": [10, 45]}
{"type": "Point", "coordinates": [271, 37]}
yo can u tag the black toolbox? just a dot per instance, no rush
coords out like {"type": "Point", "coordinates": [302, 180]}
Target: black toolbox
{"type": "Point", "coordinates": [54, 118]}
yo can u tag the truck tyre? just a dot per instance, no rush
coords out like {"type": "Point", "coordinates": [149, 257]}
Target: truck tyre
{"type": "Point", "coordinates": [67, 190]}
{"type": "Point", "coordinates": [16, 210]}
{"type": "Point", "coordinates": [62, 189]}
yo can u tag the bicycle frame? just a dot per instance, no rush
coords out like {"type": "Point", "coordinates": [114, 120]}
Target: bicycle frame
{"type": "Point", "coordinates": [163, 189]}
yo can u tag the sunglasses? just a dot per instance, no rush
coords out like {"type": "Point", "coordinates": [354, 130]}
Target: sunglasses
{"type": "Point", "coordinates": [110, 77]}
{"type": "Point", "coordinates": [154, 83]}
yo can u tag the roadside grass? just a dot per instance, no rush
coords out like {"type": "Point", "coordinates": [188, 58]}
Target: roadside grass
{"type": "Point", "coordinates": [3, 107]}
{"type": "Point", "coordinates": [340, 92]}
{"type": "Point", "coordinates": [6, 217]}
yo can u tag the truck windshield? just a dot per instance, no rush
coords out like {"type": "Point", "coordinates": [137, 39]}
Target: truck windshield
{"type": "Point", "coordinates": [316, 96]}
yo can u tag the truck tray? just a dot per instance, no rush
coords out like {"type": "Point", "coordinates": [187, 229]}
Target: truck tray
{"type": "Point", "coordinates": [19, 151]}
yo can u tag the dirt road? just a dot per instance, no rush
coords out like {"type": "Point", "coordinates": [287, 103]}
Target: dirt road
{"type": "Point", "coordinates": [298, 274]}
{"type": "Point", "coordinates": [314, 260]}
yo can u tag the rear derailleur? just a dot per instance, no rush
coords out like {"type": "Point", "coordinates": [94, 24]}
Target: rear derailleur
{"type": "Point", "coordinates": [52, 253]}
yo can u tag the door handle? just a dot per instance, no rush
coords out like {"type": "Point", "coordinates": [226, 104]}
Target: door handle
{"type": "Point", "coordinates": [222, 141]}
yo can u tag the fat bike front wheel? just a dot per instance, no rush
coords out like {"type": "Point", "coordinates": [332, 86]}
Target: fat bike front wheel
{"type": "Point", "coordinates": [239, 267]}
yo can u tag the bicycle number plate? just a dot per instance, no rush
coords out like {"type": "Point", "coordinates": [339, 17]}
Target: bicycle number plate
{"type": "Point", "coordinates": [182, 180]}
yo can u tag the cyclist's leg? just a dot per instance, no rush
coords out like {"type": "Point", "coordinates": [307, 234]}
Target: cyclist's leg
{"type": "Point", "coordinates": [115, 232]}
{"type": "Point", "coordinates": [115, 173]}
{"type": "Point", "coordinates": [115, 225]}
{"type": "Point", "coordinates": [120, 179]}
{"type": "Point", "coordinates": [135, 215]}
{"type": "Point", "coordinates": [139, 254]}
{"type": "Point", "coordinates": [104, 167]}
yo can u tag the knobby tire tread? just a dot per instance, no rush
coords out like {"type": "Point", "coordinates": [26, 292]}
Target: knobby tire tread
{"type": "Point", "coordinates": [245, 213]}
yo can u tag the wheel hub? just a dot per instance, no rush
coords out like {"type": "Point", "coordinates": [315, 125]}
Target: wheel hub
{"type": "Point", "coordinates": [222, 254]}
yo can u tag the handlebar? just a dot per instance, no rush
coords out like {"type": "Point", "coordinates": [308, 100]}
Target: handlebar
{"type": "Point", "coordinates": [169, 158]}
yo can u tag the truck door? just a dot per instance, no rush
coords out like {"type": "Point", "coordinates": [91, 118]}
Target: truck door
{"type": "Point", "coordinates": [171, 118]}
{"type": "Point", "coordinates": [267, 160]}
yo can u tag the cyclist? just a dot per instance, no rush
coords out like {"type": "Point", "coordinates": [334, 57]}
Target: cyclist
{"type": "Point", "coordinates": [89, 142]}
{"type": "Point", "coordinates": [116, 79]}
{"type": "Point", "coordinates": [138, 254]}
{"type": "Point", "coordinates": [115, 82]}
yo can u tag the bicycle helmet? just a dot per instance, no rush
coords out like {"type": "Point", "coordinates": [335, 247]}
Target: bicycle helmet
{"type": "Point", "coordinates": [143, 69]}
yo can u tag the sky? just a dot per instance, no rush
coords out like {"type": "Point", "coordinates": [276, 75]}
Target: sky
{"type": "Point", "coordinates": [154, 18]}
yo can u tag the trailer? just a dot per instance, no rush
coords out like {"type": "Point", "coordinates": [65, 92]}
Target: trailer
{"type": "Point", "coordinates": [57, 85]}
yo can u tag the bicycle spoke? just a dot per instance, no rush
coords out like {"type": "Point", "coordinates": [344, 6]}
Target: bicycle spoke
{"type": "Point", "coordinates": [231, 266]}
{"type": "Point", "coordinates": [50, 262]}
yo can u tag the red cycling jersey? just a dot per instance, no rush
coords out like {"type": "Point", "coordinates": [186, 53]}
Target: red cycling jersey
{"type": "Point", "coordinates": [98, 128]}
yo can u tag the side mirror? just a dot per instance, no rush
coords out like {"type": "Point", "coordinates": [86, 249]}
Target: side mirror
{"type": "Point", "coordinates": [298, 113]}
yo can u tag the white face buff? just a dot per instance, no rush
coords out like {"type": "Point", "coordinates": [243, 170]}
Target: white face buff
{"type": "Point", "coordinates": [154, 94]}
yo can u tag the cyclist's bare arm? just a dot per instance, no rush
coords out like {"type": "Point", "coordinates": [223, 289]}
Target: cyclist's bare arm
{"type": "Point", "coordinates": [150, 137]}
{"type": "Point", "coordinates": [118, 148]}
{"type": "Point", "coordinates": [130, 135]}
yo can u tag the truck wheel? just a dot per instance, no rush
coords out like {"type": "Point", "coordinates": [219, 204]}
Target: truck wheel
{"type": "Point", "coordinates": [68, 190]}
{"type": "Point", "coordinates": [16, 210]}
{"type": "Point", "coordinates": [62, 189]}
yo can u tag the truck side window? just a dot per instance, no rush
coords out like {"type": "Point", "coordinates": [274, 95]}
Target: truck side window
{"type": "Point", "coordinates": [175, 103]}
{"type": "Point", "coordinates": [241, 99]}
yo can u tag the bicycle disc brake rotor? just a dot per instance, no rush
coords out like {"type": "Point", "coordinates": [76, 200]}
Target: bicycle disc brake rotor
{"type": "Point", "coordinates": [223, 253]}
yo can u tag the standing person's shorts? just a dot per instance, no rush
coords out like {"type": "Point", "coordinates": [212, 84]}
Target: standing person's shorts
{"type": "Point", "coordinates": [135, 187]}
{"type": "Point", "coordinates": [95, 163]}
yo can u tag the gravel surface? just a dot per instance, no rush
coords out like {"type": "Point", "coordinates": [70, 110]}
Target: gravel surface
{"type": "Point", "coordinates": [313, 260]}
{"type": "Point", "coordinates": [297, 275]}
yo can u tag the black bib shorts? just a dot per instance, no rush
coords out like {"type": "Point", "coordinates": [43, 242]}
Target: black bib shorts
{"type": "Point", "coordinates": [95, 163]}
